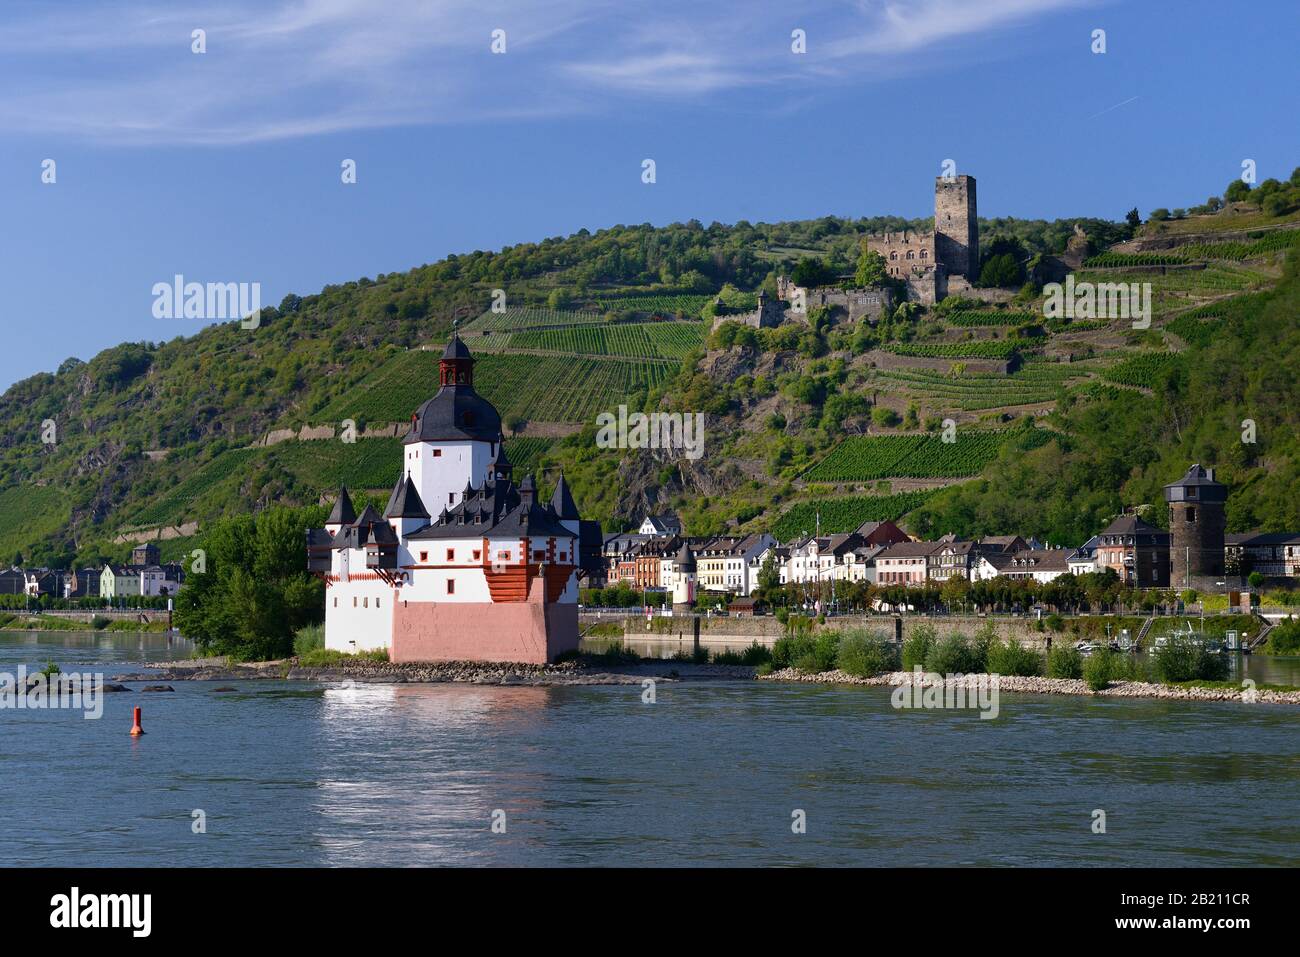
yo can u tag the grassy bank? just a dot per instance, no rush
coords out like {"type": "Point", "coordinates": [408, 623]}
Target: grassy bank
{"type": "Point", "coordinates": [11, 621]}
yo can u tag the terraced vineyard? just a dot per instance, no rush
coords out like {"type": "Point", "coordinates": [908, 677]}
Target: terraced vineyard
{"type": "Point", "coordinates": [684, 306]}
{"type": "Point", "coordinates": [650, 340]}
{"type": "Point", "coordinates": [975, 391]}
{"type": "Point", "coordinates": [539, 388]}
{"type": "Point", "coordinates": [179, 503]}
{"type": "Point", "coordinates": [524, 452]}
{"type": "Point", "coordinates": [1121, 260]}
{"type": "Point", "coordinates": [974, 349]}
{"type": "Point", "coordinates": [562, 388]}
{"type": "Point", "coordinates": [1143, 369]}
{"type": "Point", "coordinates": [529, 317]}
{"type": "Point", "coordinates": [29, 513]}
{"type": "Point", "coordinates": [862, 458]}
{"type": "Point", "coordinates": [990, 317]}
{"type": "Point", "coordinates": [845, 514]}
{"type": "Point", "coordinates": [1237, 251]}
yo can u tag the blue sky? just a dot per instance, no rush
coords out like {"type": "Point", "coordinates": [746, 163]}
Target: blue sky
{"type": "Point", "coordinates": [225, 166]}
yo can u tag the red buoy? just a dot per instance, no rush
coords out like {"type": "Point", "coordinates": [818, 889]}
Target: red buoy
{"type": "Point", "coordinates": [136, 730]}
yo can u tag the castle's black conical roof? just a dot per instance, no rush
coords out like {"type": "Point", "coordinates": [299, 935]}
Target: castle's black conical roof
{"type": "Point", "coordinates": [562, 501]}
{"type": "Point", "coordinates": [405, 501]}
{"type": "Point", "coordinates": [344, 512]}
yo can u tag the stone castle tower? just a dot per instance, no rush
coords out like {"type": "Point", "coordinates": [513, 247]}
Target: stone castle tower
{"type": "Point", "coordinates": [956, 226]}
{"type": "Point", "coordinates": [1196, 527]}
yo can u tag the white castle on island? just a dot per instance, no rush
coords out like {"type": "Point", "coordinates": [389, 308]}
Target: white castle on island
{"type": "Point", "coordinates": [494, 577]}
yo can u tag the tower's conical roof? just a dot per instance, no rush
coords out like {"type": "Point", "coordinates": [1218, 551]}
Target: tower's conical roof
{"type": "Point", "coordinates": [344, 512]}
{"type": "Point", "coordinates": [562, 500]}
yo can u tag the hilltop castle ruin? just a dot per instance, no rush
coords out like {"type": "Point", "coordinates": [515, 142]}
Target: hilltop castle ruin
{"type": "Point", "coordinates": [944, 261]}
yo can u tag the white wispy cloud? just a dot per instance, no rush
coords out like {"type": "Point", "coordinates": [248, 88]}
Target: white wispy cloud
{"type": "Point", "coordinates": [277, 69]}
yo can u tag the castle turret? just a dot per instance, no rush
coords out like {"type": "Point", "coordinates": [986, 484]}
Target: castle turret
{"type": "Point", "coordinates": [1196, 527]}
{"type": "Point", "coordinates": [684, 579]}
{"type": "Point", "coordinates": [343, 514]}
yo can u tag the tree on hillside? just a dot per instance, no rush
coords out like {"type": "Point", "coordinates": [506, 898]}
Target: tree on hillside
{"type": "Point", "coordinates": [811, 272]}
{"type": "Point", "coordinates": [1133, 218]}
{"type": "Point", "coordinates": [871, 268]}
{"type": "Point", "coordinates": [255, 591]}
{"type": "Point", "coordinates": [1236, 192]}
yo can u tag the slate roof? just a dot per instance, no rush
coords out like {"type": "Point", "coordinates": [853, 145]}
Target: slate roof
{"type": "Point", "coordinates": [456, 412]}
{"type": "Point", "coordinates": [495, 508]}
{"type": "Point", "coordinates": [562, 500]}
{"type": "Point", "coordinates": [405, 501]}
{"type": "Point", "coordinates": [344, 513]}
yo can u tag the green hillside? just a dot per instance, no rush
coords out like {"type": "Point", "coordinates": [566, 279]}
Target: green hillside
{"type": "Point", "coordinates": [161, 433]}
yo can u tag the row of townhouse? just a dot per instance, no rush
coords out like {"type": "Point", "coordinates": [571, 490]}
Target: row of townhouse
{"type": "Point", "coordinates": [1140, 554]}
{"type": "Point", "coordinates": [649, 561]}
{"type": "Point", "coordinates": [144, 576]}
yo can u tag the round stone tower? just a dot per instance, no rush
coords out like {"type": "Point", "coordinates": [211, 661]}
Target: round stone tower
{"type": "Point", "coordinates": [1196, 525]}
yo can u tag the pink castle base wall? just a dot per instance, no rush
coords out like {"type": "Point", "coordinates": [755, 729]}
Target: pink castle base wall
{"type": "Point", "coordinates": [523, 632]}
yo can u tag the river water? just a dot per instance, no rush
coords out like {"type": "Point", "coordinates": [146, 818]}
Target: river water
{"type": "Point", "coordinates": [711, 773]}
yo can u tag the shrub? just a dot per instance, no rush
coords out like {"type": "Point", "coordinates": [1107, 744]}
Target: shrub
{"type": "Point", "coordinates": [954, 655]}
{"type": "Point", "coordinates": [1128, 668]}
{"type": "Point", "coordinates": [1179, 659]}
{"type": "Point", "coordinates": [754, 655]}
{"type": "Point", "coordinates": [1284, 639]}
{"type": "Point", "coordinates": [1097, 668]}
{"type": "Point", "coordinates": [863, 654]}
{"type": "Point", "coordinates": [917, 648]}
{"type": "Point", "coordinates": [100, 622]}
{"type": "Point", "coordinates": [819, 654]}
{"type": "Point", "coordinates": [1064, 661]}
{"type": "Point", "coordinates": [1013, 658]}
{"type": "Point", "coordinates": [1055, 622]}
{"type": "Point", "coordinates": [789, 648]}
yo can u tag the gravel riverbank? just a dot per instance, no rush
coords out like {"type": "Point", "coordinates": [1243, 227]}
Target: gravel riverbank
{"type": "Point", "coordinates": [1074, 686]}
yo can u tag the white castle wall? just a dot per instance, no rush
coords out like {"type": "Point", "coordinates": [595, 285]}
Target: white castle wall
{"type": "Point", "coordinates": [440, 471]}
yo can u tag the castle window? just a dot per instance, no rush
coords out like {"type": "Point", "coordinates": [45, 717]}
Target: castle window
{"type": "Point", "coordinates": [911, 254]}
{"type": "Point", "coordinates": [336, 602]}
{"type": "Point", "coordinates": [539, 555]}
{"type": "Point", "coordinates": [893, 254]}
{"type": "Point", "coordinates": [424, 556]}
{"type": "Point", "coordinates": [451, 586]}
{"type": "Point", "coordinates": [354, 601]}
{"type": "Point", "coordinates": [1191, 515]}
{"type": "Point", "coordinates": [451, 554]}
{"type": "Point", "coordinates": [376, 602]}
{"type": "Point", "coordinates": [922, 253]}
{"type": "Point", "coordinates": [365, 603]}
{"type": "Point", "coordinates": [477, 552]}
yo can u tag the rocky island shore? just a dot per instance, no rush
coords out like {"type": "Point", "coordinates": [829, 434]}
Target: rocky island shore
{"type": "Point", "coordinates": [1070, 686]}
{"type": "Point", "coordinates": [581, 672]}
